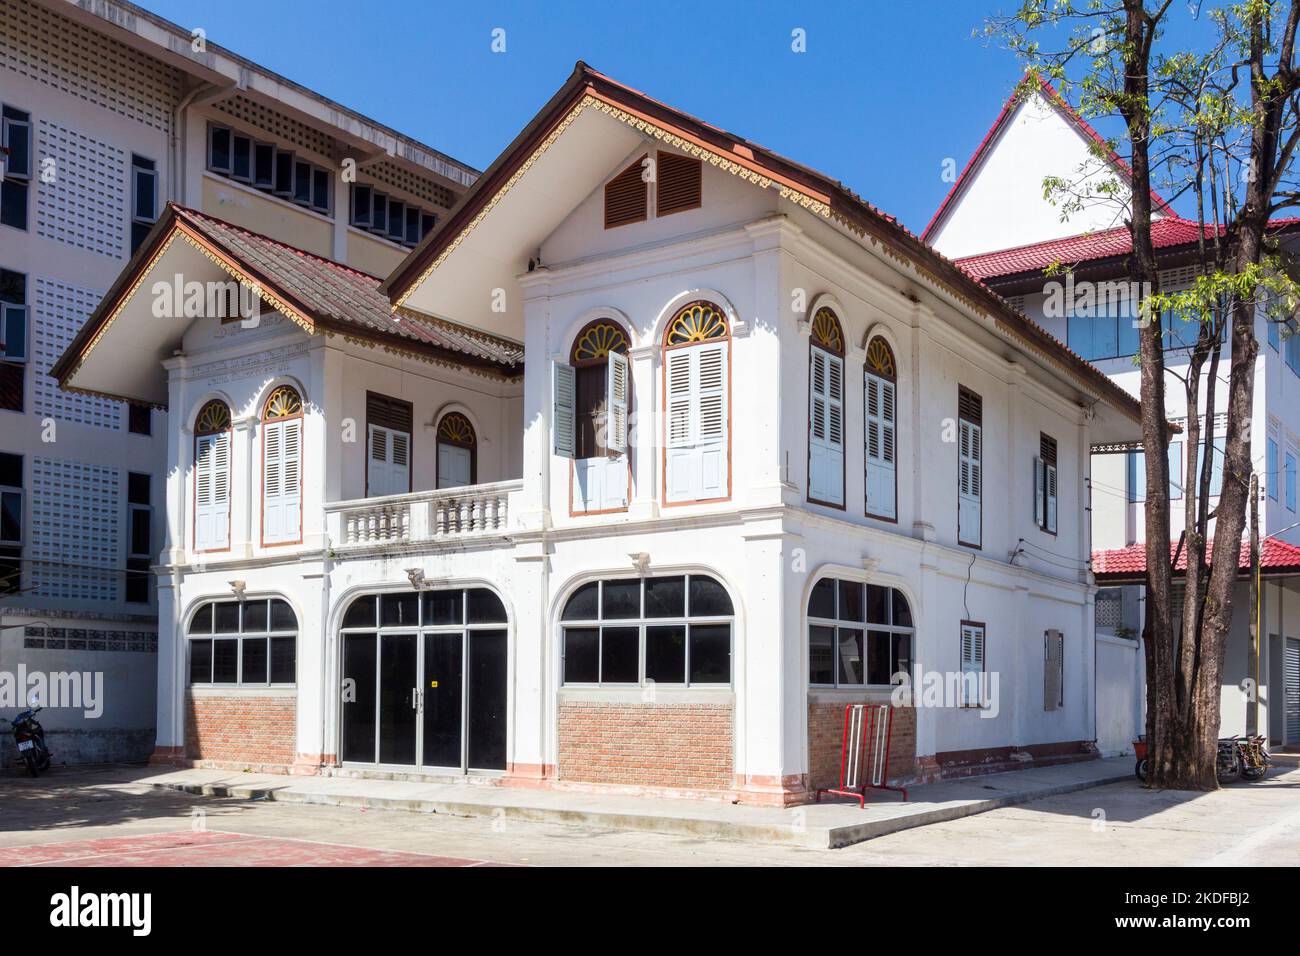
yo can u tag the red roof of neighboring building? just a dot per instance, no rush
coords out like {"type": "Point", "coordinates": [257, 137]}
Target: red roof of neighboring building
{"type": "Point", "coordinates": [1130, 563]}
{"type": "Point", "coordinates": [1166, 232]}
{"type": "Point", "coordinates": [1083, 126]}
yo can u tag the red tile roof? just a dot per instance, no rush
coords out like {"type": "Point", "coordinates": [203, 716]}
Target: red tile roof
{"type": "Point", "coordinates": [1022, 89]}
{"type": "Point", "coordinates": [1166, 232]}
{"type": "Point", "coordinates": [327, 295]}
{"type": "Point", "coordinates": [1130, 563]}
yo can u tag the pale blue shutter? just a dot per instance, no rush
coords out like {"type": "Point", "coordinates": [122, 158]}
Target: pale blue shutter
{"type": "Point", "coordinates": [970, 483]}
{"type": "Point", "coordinates": [563, 409]}
{"type": "Point", "coordinates": [881, 447]}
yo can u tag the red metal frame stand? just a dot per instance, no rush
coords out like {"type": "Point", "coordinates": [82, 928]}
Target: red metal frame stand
{"type": "Point", "coordinates": [864, 753]}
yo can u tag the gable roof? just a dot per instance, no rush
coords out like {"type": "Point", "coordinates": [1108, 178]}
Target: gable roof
{"type": "Point", "coordinates": [1031, 83]}
{"type": "Point", "coordinates": [814, 191]}
{"type": "Point", "coordinates": [318, 294]}
{"type": "Point", "coordinates": [1168, 232]}
{"type": "Point", "coordinates": [1130, 564]}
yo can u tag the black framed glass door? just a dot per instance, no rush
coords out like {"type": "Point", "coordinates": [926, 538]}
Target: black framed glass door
{"type": "Point", "coordinates": [444, 697]}
{"type": "Point", "coordinates": [399, 698]}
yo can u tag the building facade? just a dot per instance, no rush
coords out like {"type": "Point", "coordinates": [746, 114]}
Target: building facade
{"type": "Point", "coordinates": [108, 113]}
{"type": "Point", "coordinates": [1063, 264]}
{"type": "Point", "coordinates": [651, 457]}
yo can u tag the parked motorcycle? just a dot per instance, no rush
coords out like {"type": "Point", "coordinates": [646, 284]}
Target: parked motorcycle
{"type": "Point", "coordinates": [1242, 757]}
{"type": "Point", "coordinates": [29, 735]}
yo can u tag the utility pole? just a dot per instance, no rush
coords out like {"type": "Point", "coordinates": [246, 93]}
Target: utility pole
{"type": "Point", "coordinates": [1252, 659]}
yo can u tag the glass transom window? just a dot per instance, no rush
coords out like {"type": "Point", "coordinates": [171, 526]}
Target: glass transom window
{"type": "Point", "coordinates": [249, 643]}
{"type": "Point", "coordinates": [859, 635]}
{"type": "Point", "coordinates": [655, 630]}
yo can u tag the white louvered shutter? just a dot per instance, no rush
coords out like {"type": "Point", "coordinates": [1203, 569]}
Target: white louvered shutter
{"type": "Point", "coordinates": [212, 492]}
{"type": "Point", "coordinates": [564, 400]}
{"type": "Point", "coordinates": [388, 468]}
{"type": "Point", "coordinates": [882, 447]}
{"type": "Point", "coordinates": [1039, 482]}
{"type": "Point", "coordinates": [618, 385]}
{"type": "Point", "coordinates": [826, 427]}
{"type": "Point", "coordinates": [1050, 479]}
{"type": "Point", "coordinates": [282, 480]}
{"type": "Point", "coordinates": [970, 483]}
{"type": "Point", "coordinates": [697, 422]}
{"type": "Point", "coordinates": [972, 664]}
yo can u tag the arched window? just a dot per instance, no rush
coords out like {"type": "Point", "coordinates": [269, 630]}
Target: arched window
{"type": "Point", "coordinates": [663, 630]}
{"type": "Point", "coordinates": [594, 396]}
{"type": "Point", "coordinates": [457, 451]}
{"type": "Point", "coordinates": [696, 399]}
{"type": "Point", "coordinates": [826, 410]}
{"type": "Point", "coordinates": [880, 383]}
{"type": "Point", "coordinates": [212, 477]}
{"type": "Point", "coordinates": [858, 634]}
{"type": "Point", "coordinates": [244, 642]}
{"type": "Point", "coordinates": [282, 467]}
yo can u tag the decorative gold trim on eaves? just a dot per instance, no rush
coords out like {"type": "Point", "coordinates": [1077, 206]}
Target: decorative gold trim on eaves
{"type": "Point", "coordinates": [393, 348]}
{"type": "Point", "coordinates": [273, 300]}
{"type": "Point", "coordinates": [712, 157]}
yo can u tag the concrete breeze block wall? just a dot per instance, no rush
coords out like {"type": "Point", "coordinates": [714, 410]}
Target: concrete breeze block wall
{"type": "Point", "coordinates": [255, 731]}
{"type": "Point", "coordinates": [653, 745]}
{"type": "Point", "coordinates": [826, 736]}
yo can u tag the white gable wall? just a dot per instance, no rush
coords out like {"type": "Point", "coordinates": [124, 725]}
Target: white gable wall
{"type": "Point", "coordinates": [1001, 202]}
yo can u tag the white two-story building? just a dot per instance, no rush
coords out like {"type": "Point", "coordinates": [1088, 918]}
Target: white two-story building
{"type": "Point", "coordinates": [654, 454]}
{"type": "Point", "coordinates": [1064, 264]}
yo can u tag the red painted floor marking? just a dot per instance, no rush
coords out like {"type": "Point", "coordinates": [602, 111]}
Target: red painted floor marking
{"type": "Point", "coordinates": [215, 848]}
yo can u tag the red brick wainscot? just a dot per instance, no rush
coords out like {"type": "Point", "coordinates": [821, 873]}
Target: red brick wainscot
{"type": "Point", "coordinates": [665, 745]}
{"type": "Point", "coordinates": [826, 739]}
{"type": "Point", "coordinates": [255, 729]}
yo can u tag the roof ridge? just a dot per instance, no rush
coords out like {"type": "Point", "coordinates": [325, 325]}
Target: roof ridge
{"type": "Point", "coordinates": [343, 267]}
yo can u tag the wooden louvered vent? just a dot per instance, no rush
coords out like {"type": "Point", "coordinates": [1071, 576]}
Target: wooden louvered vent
{"type": "Point", "coordinates": [627, 197]}
{"type": "Point", "coordinates": [678, 184]}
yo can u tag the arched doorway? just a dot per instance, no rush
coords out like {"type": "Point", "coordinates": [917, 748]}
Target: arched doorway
{"type": "Point", "coordinates": [424, 680]}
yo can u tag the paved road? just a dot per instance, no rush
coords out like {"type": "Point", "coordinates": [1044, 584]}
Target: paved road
{"type": "Point", "coordinates": [101, 818]}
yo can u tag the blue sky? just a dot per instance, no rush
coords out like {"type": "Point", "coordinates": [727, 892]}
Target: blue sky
{"type": "Point", "coordinates": [885, 92]}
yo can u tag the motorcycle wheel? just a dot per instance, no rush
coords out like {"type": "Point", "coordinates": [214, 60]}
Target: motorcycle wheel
{"type": "Point", "coordinates": [1254, 773]}
{"type": "Point", "coordinates": [1142, 769]}
{"type": "Point", "coordinates": [44, 763]}
{"type": "Point", "coordinates": [30, 760]}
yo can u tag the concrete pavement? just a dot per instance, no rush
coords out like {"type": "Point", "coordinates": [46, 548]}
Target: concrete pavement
{"type": "Point", "coordinates": [825, 825]}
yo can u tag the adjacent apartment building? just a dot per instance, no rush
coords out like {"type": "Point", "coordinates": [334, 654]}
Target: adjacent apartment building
{"type": "Point", "coordinates": [109, 113]}
{"type": "Point", "coordinates": [999, 228]}
{"type": "Point", "coordinates": [649, 458]}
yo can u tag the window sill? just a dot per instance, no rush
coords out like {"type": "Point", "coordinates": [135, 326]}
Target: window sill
{"type": "Point", "coordinates": [271, 197]}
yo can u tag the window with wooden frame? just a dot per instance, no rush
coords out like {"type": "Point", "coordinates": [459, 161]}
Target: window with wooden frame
{"type": "Point", "coordinates": [1045, 484]}
{"type": "Point", "coordinates": [388, 445]}
{"type": "Point", "coordinates": [598, 380]}
{"type": "Point", "coordinates": [457, 451]}
{"type": "Point", "coordinates": [1053, 670]}
{"type": "Point", "coordinates": [697, 395]}
{"type": "Point", "coordinates": [678, 182]}
{"type": "Point", "coordinates": [826, 410]}
{"type": "Point", "coordinates": [627, 196]}
{"type": "Point", "coordinates": [880, 386]}
{"type": "Point", "coordinates": [973, 684]}
{"type": "Point", "coordinates": [282, 467]}
{"type": "Point", "coordinates": [212, 477]}
{"type": "Point", "coordinates": [970, 468]}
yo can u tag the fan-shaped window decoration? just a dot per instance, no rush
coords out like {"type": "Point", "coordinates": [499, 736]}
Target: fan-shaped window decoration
{"type": "Point", "coordinates": [880, 359]}
{"type": "Point", "coordinates": [697, 322]}
{"type": "Point", "coordinates": [212, 477]}
{"type": "Point", "coordinates": [282, 467]}
{"type": "Point", "coordinates": [457, 451]}
{"type": "Point", "coordinates": [213, 417]}
{"type": "Point", "coordinates": [697, 397]}
{"type": "Point", "coordinates": [284, 402]}
{"type": "Point", "coordinates": [827, 332]}
{"type": "Point", "coordinates": [596, 341]}
{"type": "Point", "coordinates": [880, 389]}
{"type": "Point", "coordinates": [826, 410]}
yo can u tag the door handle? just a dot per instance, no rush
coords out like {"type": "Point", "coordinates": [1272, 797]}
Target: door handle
{"type": "Point", "coordinates": [415, 699]}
